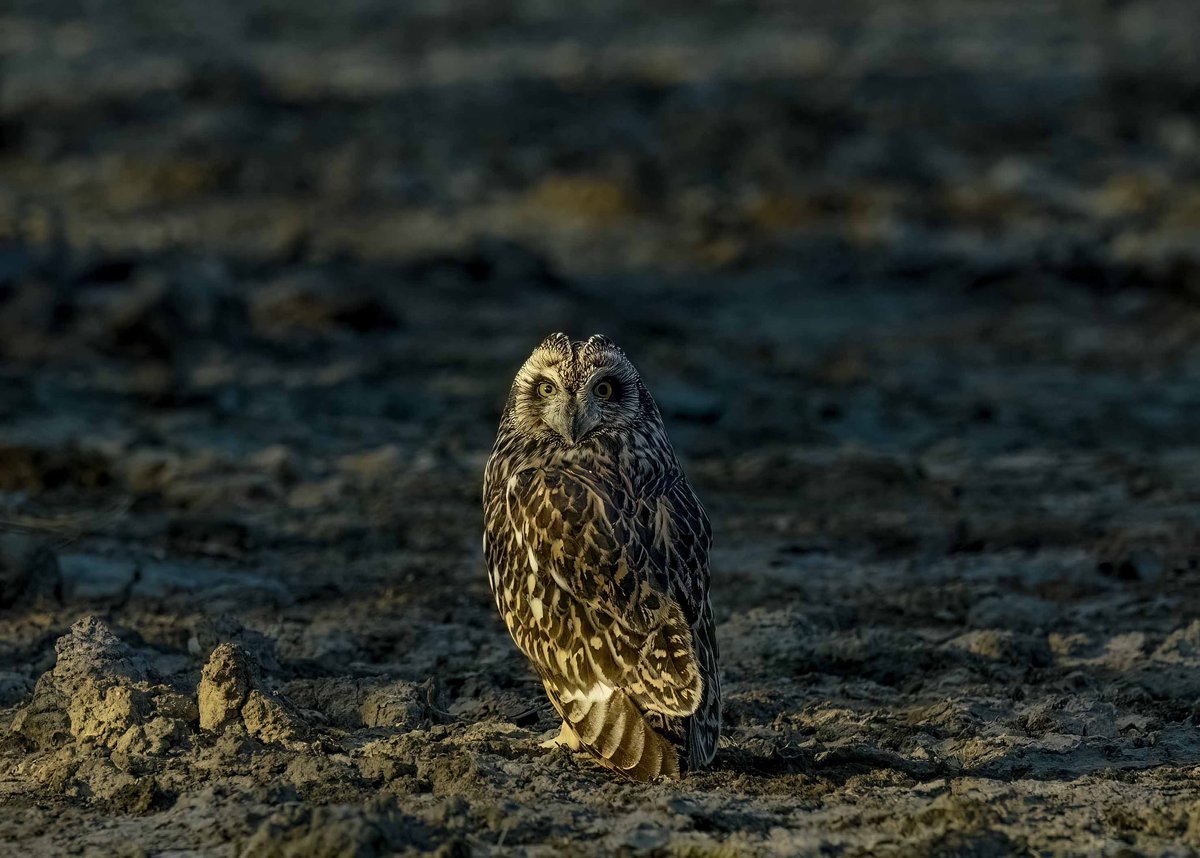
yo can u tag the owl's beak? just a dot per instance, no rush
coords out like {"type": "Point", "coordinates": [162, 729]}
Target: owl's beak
{"type": "Point", "coordinates": [579, 425]}
{"type": "Point", "coordinates": [572, 424]}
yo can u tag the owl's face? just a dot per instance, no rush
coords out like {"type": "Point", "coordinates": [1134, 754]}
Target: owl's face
{"type": "Point", "coordinates": [569, 393]}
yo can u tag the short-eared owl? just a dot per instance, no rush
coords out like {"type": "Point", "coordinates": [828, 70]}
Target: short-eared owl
{"type": "Point", "coordinates": [597, 550]}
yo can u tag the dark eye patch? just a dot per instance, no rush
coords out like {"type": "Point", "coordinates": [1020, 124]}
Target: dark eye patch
{"type": "Point", "coordinates": [607, 389]}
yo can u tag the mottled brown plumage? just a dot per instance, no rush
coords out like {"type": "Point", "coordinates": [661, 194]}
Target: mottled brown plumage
{"type": "Point", "coordinates": [597, 551]}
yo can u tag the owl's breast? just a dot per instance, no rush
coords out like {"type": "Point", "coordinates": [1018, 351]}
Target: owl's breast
{"type": "Point", "coordinates": [528, 599]}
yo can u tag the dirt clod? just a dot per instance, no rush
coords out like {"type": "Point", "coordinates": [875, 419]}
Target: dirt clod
{"type": "Point", "coordinates": [224, 685]}
{"type": "Point", "coordinates": [232, 691]}
{"type": "Point", "coordinates": [106, 692]}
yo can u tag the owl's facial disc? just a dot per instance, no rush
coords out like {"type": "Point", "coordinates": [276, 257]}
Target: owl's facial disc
{"type": "Point", "coordinates": [570, 414]}
{"type": "Point", "coordinates": [568, 392]}
{"type": "Point", "coordinates": [559, 410]}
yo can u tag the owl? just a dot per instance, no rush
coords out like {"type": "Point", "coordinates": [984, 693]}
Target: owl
{"type": "Point", "coordinates": [597, 553]}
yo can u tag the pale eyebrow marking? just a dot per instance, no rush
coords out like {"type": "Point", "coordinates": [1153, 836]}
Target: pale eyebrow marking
{"type": "Point", "coordinates": [549, 372]}
{"type": "Point", "coordinates": [608, 369]}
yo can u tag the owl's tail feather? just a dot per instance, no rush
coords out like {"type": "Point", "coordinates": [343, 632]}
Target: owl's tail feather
{"type": "Point", "coordinates": [617, 734]}
{"type": "Point", "coordinates": [704, 725]}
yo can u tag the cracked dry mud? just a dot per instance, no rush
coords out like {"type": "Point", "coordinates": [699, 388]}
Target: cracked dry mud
{"type": "Point", "coordinates": [916, 285]}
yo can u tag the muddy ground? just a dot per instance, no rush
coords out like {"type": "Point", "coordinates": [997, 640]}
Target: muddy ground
{"type": "Point", "coordinates": [917, 286]}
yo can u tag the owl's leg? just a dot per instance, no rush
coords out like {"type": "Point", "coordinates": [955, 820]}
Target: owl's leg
{"type": "Point", "coordinates": [566, 738]}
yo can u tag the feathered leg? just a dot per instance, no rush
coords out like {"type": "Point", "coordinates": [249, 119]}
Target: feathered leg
{"type": "Point", "coordinates": [612, 729]}
{"type": "Point", "coordinates": [566, 738]}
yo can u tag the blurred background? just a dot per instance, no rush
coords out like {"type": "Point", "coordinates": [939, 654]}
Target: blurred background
{"type": "Point", "coordinates": [860, 222]}
{"type": "Point", "coordinates": [916, 284]}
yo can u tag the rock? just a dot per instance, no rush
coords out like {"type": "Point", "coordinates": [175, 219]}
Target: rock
{"type": "Point", "coordinates": [27, 569]}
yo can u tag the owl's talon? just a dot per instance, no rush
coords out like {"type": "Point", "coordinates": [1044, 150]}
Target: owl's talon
{"type": "Point", "coordinates": [565, 738]}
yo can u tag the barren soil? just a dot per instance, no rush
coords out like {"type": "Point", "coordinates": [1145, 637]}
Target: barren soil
{"type": "Point", "coordinates": [916, 285]}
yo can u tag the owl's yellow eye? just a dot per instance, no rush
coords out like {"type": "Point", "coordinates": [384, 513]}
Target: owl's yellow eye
{"type": "Point", "coordinates": [546, 390]}
{"type": "Point", "coordinates": [604, 390]}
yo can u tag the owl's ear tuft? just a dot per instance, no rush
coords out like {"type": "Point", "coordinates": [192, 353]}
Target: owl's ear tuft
{"type": "Point", "coordinates": [557, 342]}
{"type": "Point", "coordinates": [599, 341]}
{"type": "Point", "coordinates": [597, 346]}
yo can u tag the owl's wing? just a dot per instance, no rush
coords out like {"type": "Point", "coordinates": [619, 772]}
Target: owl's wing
{"type": "Point", "coordinates": [630, 583]}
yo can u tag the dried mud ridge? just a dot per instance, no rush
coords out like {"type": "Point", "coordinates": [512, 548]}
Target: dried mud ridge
{"type": "Point", "coordinates": [917, 289]}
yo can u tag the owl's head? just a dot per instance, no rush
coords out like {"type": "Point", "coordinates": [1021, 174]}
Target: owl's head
{"type": "Point", "coordinates": [570, 392]}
